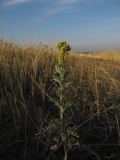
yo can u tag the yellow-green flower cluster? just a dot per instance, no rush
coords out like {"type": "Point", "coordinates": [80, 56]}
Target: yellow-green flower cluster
{"type": "Point", "coordinates": [63, 48]}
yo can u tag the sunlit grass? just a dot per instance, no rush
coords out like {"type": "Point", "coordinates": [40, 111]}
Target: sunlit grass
{"type": "Point", "coordinates": [106, 55]}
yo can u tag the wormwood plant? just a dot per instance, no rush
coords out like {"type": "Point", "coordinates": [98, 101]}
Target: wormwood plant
{"type": "Point", "coordinates": [62, 132]}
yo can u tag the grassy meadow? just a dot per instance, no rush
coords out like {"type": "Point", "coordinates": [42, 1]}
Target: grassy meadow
{"type": "Point", "coordinates": [25, 109]}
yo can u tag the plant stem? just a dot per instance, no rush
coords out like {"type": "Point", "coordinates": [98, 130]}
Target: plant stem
{"type": "Point", "coordinates": [61, 114]}
{"type": "Point", "coordinates": [61, 117]}
{"type": "Point", "coordinates": [65, 154]}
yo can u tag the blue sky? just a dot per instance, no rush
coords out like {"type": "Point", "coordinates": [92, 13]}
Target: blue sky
{"type": "Point", "coordinates": [88, 25]}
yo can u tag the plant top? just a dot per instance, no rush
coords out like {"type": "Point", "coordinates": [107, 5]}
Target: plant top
{"type": "Point", "coordinates": [63, 52]}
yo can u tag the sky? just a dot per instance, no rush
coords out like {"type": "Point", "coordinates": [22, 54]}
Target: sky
{"type": "Point", "coordinates": [87, 25]}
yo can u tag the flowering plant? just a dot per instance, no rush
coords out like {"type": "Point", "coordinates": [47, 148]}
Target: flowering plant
{"type": "Point", "coordinates": [62, 130]}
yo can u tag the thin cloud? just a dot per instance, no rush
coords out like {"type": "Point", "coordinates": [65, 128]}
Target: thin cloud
{"type": "Point", "coordinates": [14, 2]}
{"type": "Point", "coordinates": [58, 10]}
{"type": "Point", "coordinates": [68, 2]}
{"type": "Point", "coordinates": [52, 12]}
{"type": "Point", "coordinates": [59, 7]}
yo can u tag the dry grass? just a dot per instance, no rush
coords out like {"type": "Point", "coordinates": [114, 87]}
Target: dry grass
{"type": "Point", "coordinates": [106, 55]}
{"type": "Point", "coordinates": [25, 77]}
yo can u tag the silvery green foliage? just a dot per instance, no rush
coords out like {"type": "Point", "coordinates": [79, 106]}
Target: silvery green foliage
{"type": "Point", "coordinates": [62, 130]}
{"type": "Point", "coordinates": [65, 135]}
